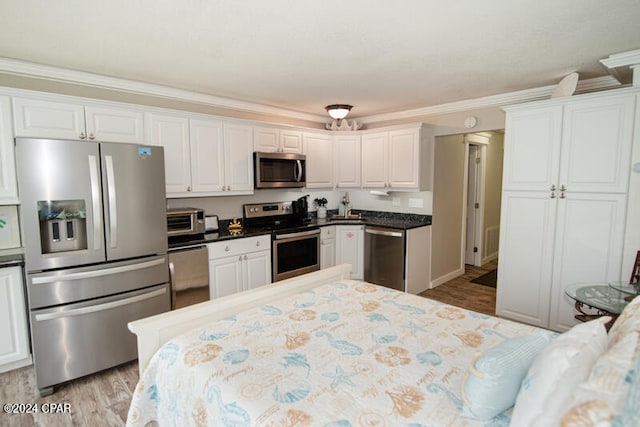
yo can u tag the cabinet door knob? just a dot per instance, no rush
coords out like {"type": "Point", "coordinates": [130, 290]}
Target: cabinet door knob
{"type": "Point", "coordinates": [258, 243]}
{"type": "Point", "coordinates": [553, 194]}
{"type": "Point", "coordinates": [562, 194]}
{"type": "Point", "coordinates": [226, 249]}
{"type": "Point", "coordinates": [82, 135]}
{"type": "Point", "coordinates": [91, 136]}
{"type": "Point", "coordinates": [240, 258]}
{"type": "Point", "coordinates": [188, 188]}
{"type": "Point", "coordinates": [245, 258]}
{"type": "Point", "coordinates": [553, 187]}
{"type": "Point", "coordinates": [563, 188]}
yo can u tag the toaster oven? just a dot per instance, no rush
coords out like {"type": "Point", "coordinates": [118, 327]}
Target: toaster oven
{"type": "Point", "coordinates": [185, 221]}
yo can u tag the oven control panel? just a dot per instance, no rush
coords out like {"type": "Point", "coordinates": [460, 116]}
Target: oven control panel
{"type": "Point", "coordinates": [261, 210]}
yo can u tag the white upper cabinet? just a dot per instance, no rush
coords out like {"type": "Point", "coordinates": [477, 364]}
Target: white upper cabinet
{"type": "Point", "coordinates": [582, 146]}
{"type": "Point", "coordinates": [399, 159]}
{"type": "Point", "coordinates": [238, 153]}
{"type": "Point", "coordinates": [172, 133]}
{"type": "Point", "coordinates": [114, 124]}
{"type": "Point", "coordinates": [319, 164]}
{"type": "Point", "coordinates": [347, 160]}
{"type": "Point", "coordinates": [596, 145]}
{"type": "Point", "coordinates": [40, 118]}
{"type": "Point", "coordinates": [533, 161]}
{"type": "Point", "coordinates": [203, 157]}
{"type": "Point", "coordinates": [207, 155]}
{"type": "Point", "coordinates": [274, 140]}
{"type": "Point", "coordinates": [375, 148]}
{"type": "Point", "coordinates": [8, 182]}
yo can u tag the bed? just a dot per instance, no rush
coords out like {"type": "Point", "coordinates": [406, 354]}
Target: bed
{"type": "Point", "coordinates": [325, 350]}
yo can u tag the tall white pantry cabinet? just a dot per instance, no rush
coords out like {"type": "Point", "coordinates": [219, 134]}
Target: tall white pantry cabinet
{"type": "Point", "coordinates": [565, 182]}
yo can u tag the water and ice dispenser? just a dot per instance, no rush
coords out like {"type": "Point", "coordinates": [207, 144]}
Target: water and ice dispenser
{"type": "Point", "coordinates": [63, 225]}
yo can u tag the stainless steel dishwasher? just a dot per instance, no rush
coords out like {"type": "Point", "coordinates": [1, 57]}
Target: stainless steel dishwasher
{"type": "Point", "coordinates": [189, 270]}
{"type": "Point", "coordinates": [384, 257]}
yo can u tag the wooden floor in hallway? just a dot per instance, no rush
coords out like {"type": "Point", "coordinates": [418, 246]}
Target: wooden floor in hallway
{"type": "Point", "coordinates": [103, 399]}
{"type": "Point", "coordinates": [463, 293]}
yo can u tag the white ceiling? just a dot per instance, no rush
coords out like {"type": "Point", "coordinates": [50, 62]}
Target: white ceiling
{"type": "Point", "coordinates": [380, 56]}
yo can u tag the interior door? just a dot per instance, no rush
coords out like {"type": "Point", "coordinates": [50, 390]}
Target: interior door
{"type": "Point", "coordinates": [134, 200]}
{"type": "Point", "coordinates": [472, 206]}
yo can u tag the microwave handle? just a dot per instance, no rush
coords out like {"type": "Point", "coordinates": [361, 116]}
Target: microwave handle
{"type": "Point", "coordinates": [298, 170]}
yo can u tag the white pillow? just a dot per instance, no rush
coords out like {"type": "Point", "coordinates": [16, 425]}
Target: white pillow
{"type": "Point", "coordinates": [630, 415]}
{"type": "Point", "coordinates": [494, 378]}
{"type": "Point", "coordinates": [554, 374]}
{"type": "Point", "coordinates": [603, 395]}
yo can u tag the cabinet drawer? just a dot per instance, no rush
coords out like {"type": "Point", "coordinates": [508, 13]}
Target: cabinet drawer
{"type": "Point", "coordinates": [239, 246]}
{"type": "Point", "coordinates": [328, 232]}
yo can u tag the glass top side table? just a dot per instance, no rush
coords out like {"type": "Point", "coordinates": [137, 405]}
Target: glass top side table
{"type": "Point", "coordinates": [600, 296]}
{"type": "Point", "coordinates": [630, 289]}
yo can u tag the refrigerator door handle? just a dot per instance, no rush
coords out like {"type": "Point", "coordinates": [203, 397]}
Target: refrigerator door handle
{"type": "Point", "coordinates": [97, 273]}
{"type": "Point", "coordinates": [113, 215]}
{"type": "Point", "coordinates": [100, 307]}
{"type": "Point", "coordinates": [95, 201]}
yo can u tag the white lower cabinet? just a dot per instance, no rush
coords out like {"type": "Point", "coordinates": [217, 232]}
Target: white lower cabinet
{"type": "Point", "coordinates": [239, 265]}
{"type": "Point", "coordinates": [327, 247]}
{"type": "Point", "coordinates": [350, 248]}
{"type": "Point", "coordinates": [14, 333]}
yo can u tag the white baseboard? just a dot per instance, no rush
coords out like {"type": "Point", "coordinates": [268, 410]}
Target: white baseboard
{"type": "Point", "coordinates": [449, 276]}
{"type": "Point", "coordinates": [489, 258]}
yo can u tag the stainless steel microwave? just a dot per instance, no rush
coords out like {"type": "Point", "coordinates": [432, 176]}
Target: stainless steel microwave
{"type": "Point", "coordinates": [185, 221]}
{"type": "Point", "coordinates": [279, 170]}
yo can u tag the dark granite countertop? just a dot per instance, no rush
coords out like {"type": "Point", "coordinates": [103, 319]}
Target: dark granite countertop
{"type": "Point", "coordinates": [371, 218]}
{"type": "Point", "coordinates": [11, 260]}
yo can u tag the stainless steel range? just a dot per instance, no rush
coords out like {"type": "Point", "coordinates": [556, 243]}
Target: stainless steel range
{"type": "Point", "coordinates": [295, 243]}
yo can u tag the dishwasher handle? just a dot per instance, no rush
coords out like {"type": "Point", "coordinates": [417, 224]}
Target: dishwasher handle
{"type": "Point", "coordinates": [381, 232]}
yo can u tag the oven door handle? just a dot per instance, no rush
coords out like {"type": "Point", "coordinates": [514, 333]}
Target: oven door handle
{"type": "Point", "coordinates": [297, 234]}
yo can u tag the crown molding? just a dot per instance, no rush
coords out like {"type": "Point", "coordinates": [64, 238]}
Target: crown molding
{"type": "Point", "coordinates": [57, 74]}
{"type": "Point", "coordinates": [631, 57]}
{"type": "Point", "coordinates": [500, 100]}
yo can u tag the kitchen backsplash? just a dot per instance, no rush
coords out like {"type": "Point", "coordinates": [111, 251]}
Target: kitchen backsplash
{"type": "Point", "coordinates": [231, 206]}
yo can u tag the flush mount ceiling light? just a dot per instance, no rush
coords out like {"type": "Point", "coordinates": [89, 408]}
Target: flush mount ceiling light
{"type": "Point", "coordinates": [338, 111]}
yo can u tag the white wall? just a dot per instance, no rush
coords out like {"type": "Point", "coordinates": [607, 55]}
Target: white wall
{"type": "Point", "coordinates": [447, 256]}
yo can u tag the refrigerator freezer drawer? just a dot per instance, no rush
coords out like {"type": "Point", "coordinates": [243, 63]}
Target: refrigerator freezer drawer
{"type": "Point", "coordinates": [79, 339]}
{"type": "Point", "coordinates": [76, 284]}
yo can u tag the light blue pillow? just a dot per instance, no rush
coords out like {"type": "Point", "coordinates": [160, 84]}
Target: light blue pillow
{"type": "Point", "coordinates": [493, 380]}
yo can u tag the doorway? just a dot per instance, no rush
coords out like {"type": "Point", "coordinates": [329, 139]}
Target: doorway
{"type": "Point", "coordinates": [451, 202]}
{"type": "Point", "coordinates": [483, 179]}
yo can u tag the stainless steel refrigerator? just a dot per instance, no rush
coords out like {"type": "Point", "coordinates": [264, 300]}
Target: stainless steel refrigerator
{"type": "Point", "coordinates": [93, 218]}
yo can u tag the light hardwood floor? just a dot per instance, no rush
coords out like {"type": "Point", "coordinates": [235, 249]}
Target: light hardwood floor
{"type": "Point", "coordinates": [103, 399]}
